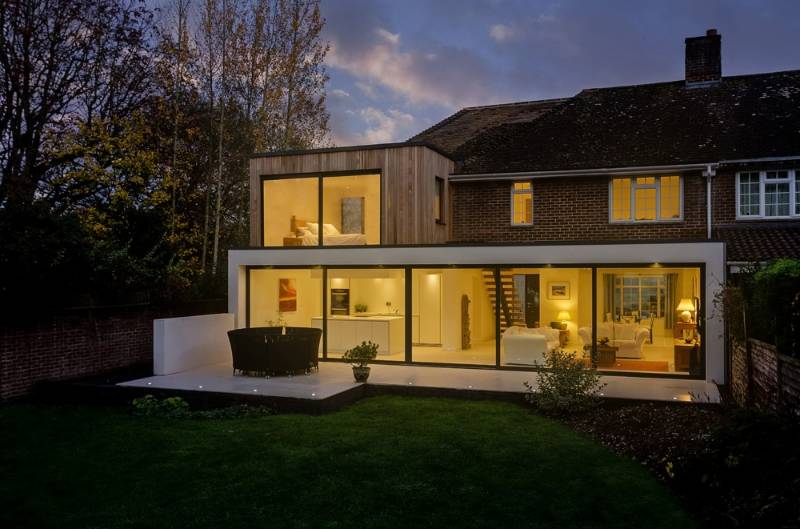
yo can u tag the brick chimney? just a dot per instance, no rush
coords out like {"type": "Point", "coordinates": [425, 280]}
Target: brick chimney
{"type": "Point", "coordinates": [704, 59]}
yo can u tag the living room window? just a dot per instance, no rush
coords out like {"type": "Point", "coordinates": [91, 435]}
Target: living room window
{"type": "Point", "coordinates": [639, 296]}
{"type": "Point", "coordinates": [646, 199]}
{"type": "Point", "coordinates": [522, 204]}
{"type": "Point", "coordinates": [767, 194]}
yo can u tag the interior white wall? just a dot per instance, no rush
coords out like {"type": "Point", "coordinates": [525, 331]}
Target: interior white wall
{"type": "Point", "coordinates": [264, 293]}
{"type": "Point", "coordinates": [712, 254]}
{"type": "Point", "coordinates": [286, 197]}
{"type": "Point", "coordinates": [371, 287]}
{"type": "Point", "coordinates": [335, 188]}
{"type": "Point", "coordinates": [180, 344]}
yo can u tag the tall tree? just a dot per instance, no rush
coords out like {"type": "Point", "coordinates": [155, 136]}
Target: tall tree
{"type": "Point", "coordinates": [305, 120]}
{"type": "Point", "coordinates": [62, 63]}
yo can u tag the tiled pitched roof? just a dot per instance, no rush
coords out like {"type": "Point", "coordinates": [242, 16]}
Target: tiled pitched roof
{"type": "Point", "coordinates": [760, 241]}
{"type": "Point", "coordinates": [749, 116]}
{"type": "Point", "coordinates": [453, 131]}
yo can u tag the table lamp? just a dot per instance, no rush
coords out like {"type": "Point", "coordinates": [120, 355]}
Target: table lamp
{"type": "Point", "coordinates": [687, 307]}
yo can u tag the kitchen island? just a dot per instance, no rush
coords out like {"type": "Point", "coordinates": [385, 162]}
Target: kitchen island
{"type": "Point", "coordinates": [345, 332]}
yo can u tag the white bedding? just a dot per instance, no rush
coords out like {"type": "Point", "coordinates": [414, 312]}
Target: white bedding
{"type": "Point", "coordinates": [341, 239]}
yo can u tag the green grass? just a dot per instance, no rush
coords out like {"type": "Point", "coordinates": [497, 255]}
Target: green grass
{"type": "Point", "coordinates": [383, 462]}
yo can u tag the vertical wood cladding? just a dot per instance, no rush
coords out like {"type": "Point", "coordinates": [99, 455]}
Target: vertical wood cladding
{"type": "Point", "coordinates": [408, 176]}
{"type": "Point", "coordinates": [565, 209]}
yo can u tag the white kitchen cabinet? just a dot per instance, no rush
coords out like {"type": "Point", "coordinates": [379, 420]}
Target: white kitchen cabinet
{"type": "Point", "coordinates": [345, 332]}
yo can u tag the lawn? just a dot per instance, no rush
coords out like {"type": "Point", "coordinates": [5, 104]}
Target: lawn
{"type": "Point", "coordinates": [383, 462]}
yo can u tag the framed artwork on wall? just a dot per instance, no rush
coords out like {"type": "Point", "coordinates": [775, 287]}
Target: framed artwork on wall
{"type": "Point", "coordinates": [287, 295]}
{"type": "Point", "coordinates": [558, 290]}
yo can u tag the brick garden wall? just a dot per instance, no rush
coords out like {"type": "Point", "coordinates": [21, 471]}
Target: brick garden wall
{"type": "Point", "coordinates": [83, 343]}
{"type": "Point", "coordinates": [564, 209]}
{"type": "Point", "coordinates": [774, 382]}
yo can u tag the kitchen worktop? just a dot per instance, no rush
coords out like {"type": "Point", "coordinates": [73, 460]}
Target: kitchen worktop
{"type": "Point", "coordinates": [372, 317]}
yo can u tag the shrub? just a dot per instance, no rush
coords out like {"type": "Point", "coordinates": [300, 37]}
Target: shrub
{"type": "Point", "coordinates": [169, 407]}
{"type": "Point", "coordinates": [176, 407]}
{"type": "Point", "coordinates": [361, 355]}
{"type": "Point", "coordinates": [565, 385]}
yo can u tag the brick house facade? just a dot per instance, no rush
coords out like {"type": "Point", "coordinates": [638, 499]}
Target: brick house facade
{"type": "Point", "coordinates": [566, 209]}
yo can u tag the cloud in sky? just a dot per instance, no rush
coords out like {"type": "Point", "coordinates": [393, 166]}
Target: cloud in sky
{"type": "Point", "coordinates": [501, 32]}
{"type": "Point", "coordinates": [406, 65]}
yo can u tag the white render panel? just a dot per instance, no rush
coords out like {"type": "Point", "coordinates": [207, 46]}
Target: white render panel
{"type": "Point", "coordinates": [181, 344]}
{"type": "Point", "coordinates": [711, 254]}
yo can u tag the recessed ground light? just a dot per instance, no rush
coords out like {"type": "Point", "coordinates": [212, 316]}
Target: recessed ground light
{"type": "Point", "coordinates": [674, 398]}
{"type": "Point", "coordinates": [255, 391]}
{"type": "Point", "coordinates": [601, 394]}
{"type": "Point", "coordinates": [313, 394]}
{"type": "Point", "coordinates": [149, 383]}
{"type": "Point", "coordinates": [201, 387]}
{"type": "Point", "coordinates": [470, 387]}
{"type": "Point", "coordinates": [410, 383]}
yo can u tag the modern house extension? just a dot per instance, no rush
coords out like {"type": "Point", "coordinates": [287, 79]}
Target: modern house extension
{"type": "Point", "coordinates": [597, 223]}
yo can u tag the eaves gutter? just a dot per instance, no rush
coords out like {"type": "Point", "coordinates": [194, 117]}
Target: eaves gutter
{"type": "Point", "coordinates": [532, 175]}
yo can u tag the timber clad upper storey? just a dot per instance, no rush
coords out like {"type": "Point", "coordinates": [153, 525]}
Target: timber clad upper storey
{"type": "Point", "coordinates": [705, 157]}
{"type": "Point", "coordinates": [388, 190]}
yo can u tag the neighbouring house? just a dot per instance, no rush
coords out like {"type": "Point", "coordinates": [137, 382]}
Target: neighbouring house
{"type": "Point", "coordinates": [603, 223]}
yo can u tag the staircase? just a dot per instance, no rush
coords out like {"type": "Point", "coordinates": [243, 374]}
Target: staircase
{"type": "Point", "coordinates": [511, 310]}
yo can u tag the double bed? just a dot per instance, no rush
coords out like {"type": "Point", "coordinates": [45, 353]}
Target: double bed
{"type": "Point", "coordinates": [307, 234]}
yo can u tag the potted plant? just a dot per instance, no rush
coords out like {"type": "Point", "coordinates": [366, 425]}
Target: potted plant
{"type": "Point", "coordinates": [359, 356]}
{"type": "Point", "coordinates": [360, 307]}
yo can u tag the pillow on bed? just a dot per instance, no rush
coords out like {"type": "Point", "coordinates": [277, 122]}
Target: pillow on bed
{"type": "Point", "coordinates": [313, 227]}
{"type": "Point", "coordinates": [329, 229]}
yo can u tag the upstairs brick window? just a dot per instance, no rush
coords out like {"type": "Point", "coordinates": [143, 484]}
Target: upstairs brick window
{"type": "Point", "coordinates": [645, 199]}
{"type": "Point", "coordinates": [522, 204]}
{"type": "Point", "coordinates": [767, 194]}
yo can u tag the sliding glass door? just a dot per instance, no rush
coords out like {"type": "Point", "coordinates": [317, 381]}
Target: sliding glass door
{"type": "Point", "coordinates": [628, 319]}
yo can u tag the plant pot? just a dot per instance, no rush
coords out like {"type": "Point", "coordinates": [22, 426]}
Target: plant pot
{"type": "Point", "coordinates": [361, 374]}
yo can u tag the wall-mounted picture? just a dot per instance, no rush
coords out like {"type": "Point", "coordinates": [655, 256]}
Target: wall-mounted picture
{"type": "Point", "coordinates": [558, 290]}
{"type": "Point", "coordinates": [287, 295]}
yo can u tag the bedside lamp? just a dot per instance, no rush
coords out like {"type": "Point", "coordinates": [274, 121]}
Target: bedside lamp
{"type": "Point", "coordinates": [687, 307]}
{"type": "Point", "coordinates": [563, 317]}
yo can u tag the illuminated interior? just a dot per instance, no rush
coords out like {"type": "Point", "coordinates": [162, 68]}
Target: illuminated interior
{"type": "Point", "coordinates": [366, 304]}
{"type": "Point", "coordinates": [646, 316]}
{"type": "Point", "coordinates": [542, 310]}
{"type": "Point", "coordinates": [351, 210]}
{"type": "Point", "coordinates": [522, 203]}
{"type": "Point", "coordinates": [452, 316]}
{"type": "Point", "coordinates": [285, 201]}
{"type": "Point", "coordinates": [645, 198]}
{"type": "Point", "coordinates": [642, 312]}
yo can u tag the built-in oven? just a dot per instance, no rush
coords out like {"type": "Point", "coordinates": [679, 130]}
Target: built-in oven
{"type": "Point", "coordinates": [340, 301]}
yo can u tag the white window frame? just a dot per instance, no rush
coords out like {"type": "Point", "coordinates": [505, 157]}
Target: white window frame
{"type": "Point", "coordinates": [514, 192]}
{"type": "Point", "coordinates": [762, 181]}
{"type": "Point", "coordinates": [634, 187]}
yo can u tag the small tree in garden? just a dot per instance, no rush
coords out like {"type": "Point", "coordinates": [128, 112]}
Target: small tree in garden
{"type": "Point", "coordinates": [565, 385]}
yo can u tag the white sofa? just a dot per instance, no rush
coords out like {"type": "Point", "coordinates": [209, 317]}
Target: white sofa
{"type": "Point", "coordinates": [528, 346]}
{"type": "Point", "coordinates": [628, 337]}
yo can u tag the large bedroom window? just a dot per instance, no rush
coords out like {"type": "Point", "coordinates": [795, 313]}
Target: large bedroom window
{"type": "Point", "coordinates": [351, 210]}
{"type": "Point", "coordinates": [522, 204]}
{"type": "Point", "coordinates": [767, 194]}
{"type": "Point", "coordinates": [327, 210]}
{"type": "Point", "coordinates": [287, 203]}
{"type": "Point", "coordinates": [645, 199]}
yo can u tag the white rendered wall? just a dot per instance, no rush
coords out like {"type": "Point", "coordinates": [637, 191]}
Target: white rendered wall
{"type": "Point", "coordinates": [180, 344]}
{"type": "Point", "coordinates": [711, 254]}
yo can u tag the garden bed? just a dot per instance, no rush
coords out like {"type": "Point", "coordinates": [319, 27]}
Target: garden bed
{"type": "Point", "coordinates": [731, 467]}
